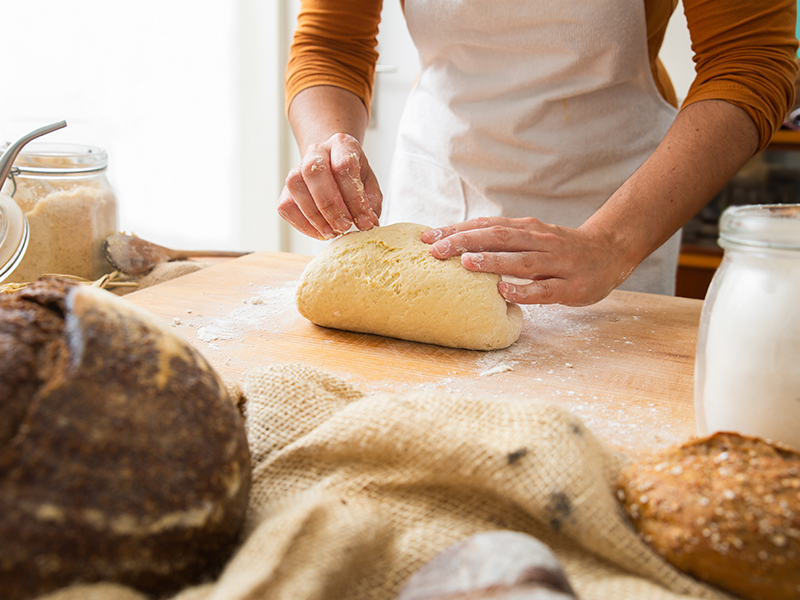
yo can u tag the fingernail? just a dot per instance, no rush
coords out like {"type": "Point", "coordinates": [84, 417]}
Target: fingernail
{"type": "Point", "coordinates": [374, 218]}
{"type": "Point", "coordinates": [341, 225]}
{"type": "Point", "coordinates": [442, 247]}
{"type": "Point", "coordinates": [434, 234]}
{"type": "Point", "coordinates": [363, 223]}
{"type": "Point", "coordinates": [509, 288]}
{"type": "Point", "coordinates": [475, 257]}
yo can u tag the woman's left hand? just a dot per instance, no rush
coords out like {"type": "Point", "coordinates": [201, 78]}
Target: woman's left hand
{"type": "Point", "coordinates": [706, 145]}
{"type": "Point", "coordinates": [568, 266]}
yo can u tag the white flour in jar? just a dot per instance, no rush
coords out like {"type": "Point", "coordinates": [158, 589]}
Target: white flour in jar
{"type": "Point", "coordinates": [751, 362]}
{"type": "Point", "coordinates": [69, 221]}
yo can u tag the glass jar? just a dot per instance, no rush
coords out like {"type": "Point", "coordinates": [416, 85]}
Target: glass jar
{"type": "Point", "coordinates": [747, 369]}
{"type": "Point", "coordinates": [14, 236]}
{"type": "Point", "coordinates": [70, 207]}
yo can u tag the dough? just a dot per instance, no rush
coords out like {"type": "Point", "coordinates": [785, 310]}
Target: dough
{"type": "Point", "coordinates": [385, 281]}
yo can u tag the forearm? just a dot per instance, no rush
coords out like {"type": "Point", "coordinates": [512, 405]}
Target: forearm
{"type": "Point", "coordinates": [318, 112]}
{"type": "Point", "coordinates": [706, 145]}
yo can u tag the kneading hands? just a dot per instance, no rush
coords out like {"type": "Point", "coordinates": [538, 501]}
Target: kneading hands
{"type": "Point", "coordinates": [558, 264]}
{"type": "Point", "coordinates": [334, 189]}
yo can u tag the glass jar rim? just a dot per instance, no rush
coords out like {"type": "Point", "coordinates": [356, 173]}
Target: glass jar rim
{"type": "Point", "coordinates": [14, 235]}
{"type": "Point", "coordinates": [761, 225]}
{"type": "Point", "coordinates": [59, 158]}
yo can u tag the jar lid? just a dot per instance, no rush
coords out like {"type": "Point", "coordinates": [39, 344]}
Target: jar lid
{"type": "Point", "coordinates": [50, 159]}
{"type": "Point", "coordinates": [762, 225]}
{"type": "Point", "coordinates": [14, 235]}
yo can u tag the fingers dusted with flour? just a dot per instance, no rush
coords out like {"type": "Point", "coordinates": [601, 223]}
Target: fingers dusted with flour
{"type": "Point", "coordinates": [333, 188]}
{"type": "Point", "coordinates": [356, 182]}
{"type": "Point", "coordinates": [557, 264]}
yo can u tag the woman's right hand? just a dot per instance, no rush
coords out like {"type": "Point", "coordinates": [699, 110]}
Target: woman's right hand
{"type": "Point", "coordinates": [332, 189]}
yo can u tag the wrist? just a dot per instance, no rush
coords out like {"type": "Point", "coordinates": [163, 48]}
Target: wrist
{"type": "Point", "coordinates": [619, 249]}
{"type": "Point", "coordinates": [317, 113]}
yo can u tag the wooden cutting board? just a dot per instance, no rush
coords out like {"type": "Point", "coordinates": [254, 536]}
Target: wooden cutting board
{"type": "Point", "coordinates": [624, 366]}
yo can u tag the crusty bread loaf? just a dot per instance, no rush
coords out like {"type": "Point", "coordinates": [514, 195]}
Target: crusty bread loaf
{"type": "Point", "coordinates": [122, 458]}
{"type": "Point", "coordinates": [496, 565]}
{"type": "Point", "coordinates": [724, 508]}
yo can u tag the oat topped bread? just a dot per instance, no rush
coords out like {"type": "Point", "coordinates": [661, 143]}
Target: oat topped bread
{"type": "Point", "coordinates": [724, 508]}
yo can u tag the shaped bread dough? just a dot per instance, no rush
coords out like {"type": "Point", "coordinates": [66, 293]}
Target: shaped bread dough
{"type": "Point", "coordinates": [385, 281]}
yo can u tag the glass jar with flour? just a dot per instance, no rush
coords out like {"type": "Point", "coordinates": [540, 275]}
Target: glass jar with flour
{"type": "Point", "coordinates": [70, 207]}
{"type": "Point", "coordinates": [747, 370]}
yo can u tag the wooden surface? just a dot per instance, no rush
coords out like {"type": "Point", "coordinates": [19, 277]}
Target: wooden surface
{"type": "Point", "coordinates": [624, 365]}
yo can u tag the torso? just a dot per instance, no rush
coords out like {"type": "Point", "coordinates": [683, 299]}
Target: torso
{"type": "Point", "coordinates": [524, 109]}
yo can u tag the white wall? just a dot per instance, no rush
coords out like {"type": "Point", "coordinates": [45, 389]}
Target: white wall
{"type": "Point", "coordinates": [264, 134]}
{"type": "Point", "coordinates": [676, 53]}
{"type": "Point", "coordinates": [187, 98]}
{"type": "Point", "coordinates": [183, 94]}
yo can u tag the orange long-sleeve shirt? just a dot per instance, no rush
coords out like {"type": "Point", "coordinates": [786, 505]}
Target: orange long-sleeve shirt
{"type": "Point", "coordinates": [744, 51]}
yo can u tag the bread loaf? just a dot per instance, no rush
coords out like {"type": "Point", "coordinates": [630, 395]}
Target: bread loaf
{"type": "Point", "coordinates": [122, 458]}
{"type": "Point", "coordinates": [496, 564]}
{"type": "Point", "coordinates": [724, 508]}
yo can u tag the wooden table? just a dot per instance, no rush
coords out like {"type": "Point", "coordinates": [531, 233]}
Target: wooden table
{"type": "Point", "coordinates": [624, 365]}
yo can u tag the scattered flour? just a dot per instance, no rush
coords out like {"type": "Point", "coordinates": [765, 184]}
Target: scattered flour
{"type": "Point", "coordinates": [219, 329]}
{"type": "Point", "coordinates": [501, 368]}
{"type": "Point", "coordinates": [258, 312]}
{"type": "Point", "coordinates": [547, 370]}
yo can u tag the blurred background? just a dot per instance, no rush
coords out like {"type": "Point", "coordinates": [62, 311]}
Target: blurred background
{"type": "Point", "coordinates": [186, 96]}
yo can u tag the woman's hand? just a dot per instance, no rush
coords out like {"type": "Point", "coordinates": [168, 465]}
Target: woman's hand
{"type": "Point", "coordinates": [706, 145]}
{"type": "Point", "coordinates": [568, 266]}
{"type": "Point", "coordinates": [332, 189]}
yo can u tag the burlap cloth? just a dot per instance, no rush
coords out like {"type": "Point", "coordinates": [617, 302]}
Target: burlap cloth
{"type": "Point", "coordinates": [351, 494]}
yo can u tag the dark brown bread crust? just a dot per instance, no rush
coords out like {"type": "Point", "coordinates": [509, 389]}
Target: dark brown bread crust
{"type": "Point", "coordinates": [31, 342]}
{"type": "Point", "coordinates": [121, 455]}
{"type": "Point", "coordinates": [726, 509]}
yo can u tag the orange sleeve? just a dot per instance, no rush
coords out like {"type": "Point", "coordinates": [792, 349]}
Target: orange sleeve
{"type": "Point", "coordinates": [334, 44]}
{"type": "Point", "coordinates": [745, 53]}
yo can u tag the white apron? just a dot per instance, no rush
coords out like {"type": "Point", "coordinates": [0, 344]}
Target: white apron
{"type": "Point", "coordinates": [528, 108]}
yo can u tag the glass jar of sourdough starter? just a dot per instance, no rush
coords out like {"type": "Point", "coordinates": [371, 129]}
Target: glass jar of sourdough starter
{"type": "Point", "coordinates": [70, 207]}
{"type": "Point", "coordinates": [747, 369]}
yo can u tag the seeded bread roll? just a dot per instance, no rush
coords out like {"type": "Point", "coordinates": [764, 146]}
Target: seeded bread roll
{"type": "Point", "coordinates": [726, 509]}
{"type": "Point", "coordinates": [122, 458]}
